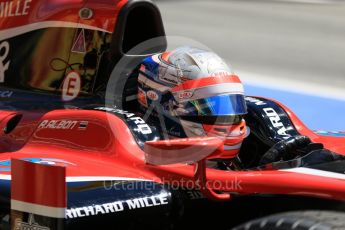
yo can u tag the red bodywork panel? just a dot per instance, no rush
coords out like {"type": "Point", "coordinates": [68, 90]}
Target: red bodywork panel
{"type": "Point", "coordinates": [106, 148]}
{"type": "Point", "coordinates": [52, 181]}
{"type": "Point", "coordinates": [335, 144]}
{"type": "Point", "coordinates": [105, 13]}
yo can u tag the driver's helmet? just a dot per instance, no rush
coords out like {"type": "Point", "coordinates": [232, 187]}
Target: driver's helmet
{"type": "Point", "coordinates": [196, 93]}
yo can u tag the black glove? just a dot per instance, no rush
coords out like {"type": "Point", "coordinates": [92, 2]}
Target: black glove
{"type": "Point", "coordinates": [289, 149]}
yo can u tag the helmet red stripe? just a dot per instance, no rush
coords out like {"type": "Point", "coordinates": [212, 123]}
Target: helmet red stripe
{"type": "Point", "coordinates": [165, 56]}
{"type": "Point", "coordinates": [207, 81]}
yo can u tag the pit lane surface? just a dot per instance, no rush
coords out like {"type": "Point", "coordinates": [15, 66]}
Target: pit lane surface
{"type": "Point", "coordinates": [293, 51]}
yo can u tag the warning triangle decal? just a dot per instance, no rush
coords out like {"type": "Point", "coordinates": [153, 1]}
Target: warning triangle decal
{"type": "Point", "coordinates": [79, 43]}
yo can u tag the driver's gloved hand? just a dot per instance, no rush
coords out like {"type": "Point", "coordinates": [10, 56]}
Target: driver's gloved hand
{"type": "Point", "coordinates": [289, 149]}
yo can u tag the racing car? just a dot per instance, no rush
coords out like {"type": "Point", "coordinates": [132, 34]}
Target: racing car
{"type": "Point", "coordinates": [71, 160]}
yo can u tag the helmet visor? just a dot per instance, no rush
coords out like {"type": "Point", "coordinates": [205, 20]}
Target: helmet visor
{"type": "Point", "coordinates": [215, 120]}
{"type": "Point", "coordinates": [220, 105]}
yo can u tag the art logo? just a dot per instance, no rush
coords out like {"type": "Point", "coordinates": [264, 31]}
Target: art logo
{"type": "Point", "coordinates": [4, 51]}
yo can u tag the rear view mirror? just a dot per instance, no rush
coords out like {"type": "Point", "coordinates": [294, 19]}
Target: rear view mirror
{"type": "Point", "coordinates": [183, 150]}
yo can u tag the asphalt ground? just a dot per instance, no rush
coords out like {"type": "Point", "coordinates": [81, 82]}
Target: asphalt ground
{"type": "Point", "coordinates": [277, 47]}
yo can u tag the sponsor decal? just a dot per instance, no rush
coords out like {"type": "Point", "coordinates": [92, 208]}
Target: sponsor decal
{"type": "Point", "coordinates": [330, 133]}
{"type": "Point", "coordinates": [71, 86]}
{"type": "Point", "coordinates": [221, 73]}
{"type": "Point", "coordinates": [7, 93]}
{"type": "Point", "coordinates": [142, 97]}
{"type": "Point", "coordinates": [255, 101]}
{"type": "Point", "coordinates": [85, 13]}
{"type": "Point", "coordinates": [57, 124]}
{"type": "Point", "coordinates": [142, 127]}
{"type": "Point", "coordinates": [185, 94]}
{"type": "Point", "coordinates": [79, 43]}
{"type": "Point", "coordinates": [195, 195]}
{"type": "Point", "coordinates": [173, 132]}
{"type": "Point", "coordinates": [185, 78]}
{"type": "Point", "coordinates": [5, 166]}
{"type": "Point", "coordinates": [118, 206]}
{"type": "Point", "coordinates": [152, 95]}
{"type": "Point", "coordinates": [63, 124]}
{"type": "Point", "coordinates": [275, 120]}
{"type": "Point", "coordinates": [169, 79]}
{"type": "Point", "coordinates": [14, 8]}
{"type": "Point", "coordinates": [166, 74]}
{"type": "Point", "coordinates": [272, 115]}
{"type": "Point", "coordinates": [83, 125]}
{"type": "Point", "coordinates": [30, 225]}
{"type": "Point", "coordinates": [4, 51]}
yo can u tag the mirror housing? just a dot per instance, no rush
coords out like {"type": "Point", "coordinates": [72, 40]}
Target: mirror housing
{"type": "Point", "coordinates": [188, 150]}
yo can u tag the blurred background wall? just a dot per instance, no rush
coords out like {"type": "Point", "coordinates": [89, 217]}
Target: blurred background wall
{"type": "Point", "coordinates": [290, 50]}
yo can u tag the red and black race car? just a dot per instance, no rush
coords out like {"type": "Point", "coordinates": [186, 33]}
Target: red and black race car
{"type": "Point", "coordinates": [73, 158]}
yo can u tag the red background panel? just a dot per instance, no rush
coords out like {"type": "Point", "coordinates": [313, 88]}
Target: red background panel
{"type": "Point", "coordinates": [39, 184]}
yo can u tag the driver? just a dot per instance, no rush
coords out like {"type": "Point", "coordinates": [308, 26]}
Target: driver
{"type": "Point", "coordinates": [192, 92]}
